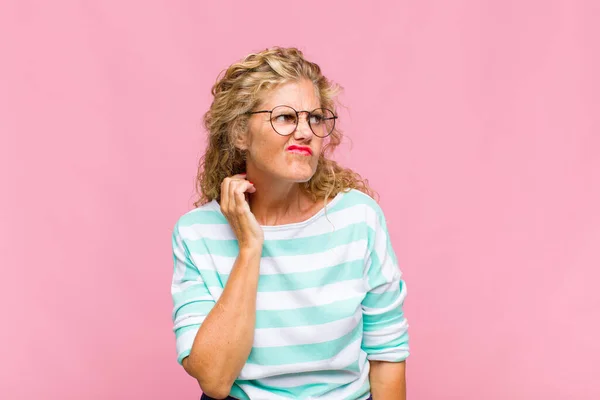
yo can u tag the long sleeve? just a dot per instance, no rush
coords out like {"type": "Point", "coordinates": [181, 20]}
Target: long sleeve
{"type": "Point", "coordinates": [385, 336]}
{"type": "Point", "coordinates": [191, 299]}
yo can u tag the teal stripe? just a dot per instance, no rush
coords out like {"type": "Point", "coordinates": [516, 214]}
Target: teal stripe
{"type": "Point", "coordinates": [381, 300]}
{"type": "Point", "coordinates": [212, 278]}
{"type": "Point", "coordinates": [180, 331]}
{"type": "Point", "coordinates": [284, 247]}
{"type": "Point", "coordinates": [198, 289]}
{"type": "Point", "coordinates": [383, 320]}
{"type": "Point", "coordinates": [353, 198]}
{"type": "Point", "coordinates": [295, 281]}
{"type": "Point", "coordinates": [307, 316]}
{"type": "Point", "coordinates": [391, 253]}
{"type": "Point", "coordinates": [374, 275]}
{"type": "Point", "coordinates": [304, 352]}
{"type": "Point", "coordinates": [302, 280]}
{"type": "Point", "coordinates": [316, 243]}
{"type": "Point", "coordinates": [200, 308]}
{"type": "Point", "coordinates": [189, 293]}
{"type": "Point", "coordinates": [238, 393]}
{"type": "Point", "coordinates": [354, 367]}
{"type": "Point", "coordinates": [296, 392]}
{"type": "Point", "coordinates": [190, 272]}
{"type": "Point", "coordinates": [202, 217]}
{"type": "Point", "coordinates": [216, 247]}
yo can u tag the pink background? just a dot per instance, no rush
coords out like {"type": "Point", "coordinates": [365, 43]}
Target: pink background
{"type": "Point", "coordinates": [477, 121]}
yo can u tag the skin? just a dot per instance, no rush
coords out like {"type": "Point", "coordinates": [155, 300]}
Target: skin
{"type": "Point", "coordinates": [268, 194]}
{"type": "Point", "coordinates": [388, 380]}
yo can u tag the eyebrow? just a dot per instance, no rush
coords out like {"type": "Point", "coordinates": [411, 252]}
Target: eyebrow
{"type": "Point", "coordinates": [265, 107]}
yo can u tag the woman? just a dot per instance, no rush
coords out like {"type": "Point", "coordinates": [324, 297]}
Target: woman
{"type": "Point", "coordinates": [285, 282]}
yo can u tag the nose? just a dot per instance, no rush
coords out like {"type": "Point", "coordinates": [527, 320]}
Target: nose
{"type": "Point", "coordinates": [303, 131]}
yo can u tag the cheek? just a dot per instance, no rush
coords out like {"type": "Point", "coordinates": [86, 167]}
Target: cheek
{"type": "Point", "coordinates": [318, 145]}
{"type": "Point", "coordinates": [265, 148]}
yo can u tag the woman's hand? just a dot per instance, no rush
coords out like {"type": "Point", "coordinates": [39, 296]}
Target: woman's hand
{"type": "Point", "coordinates": [224, 341]}
{"type": "Point", "coordinates": [236, 209]}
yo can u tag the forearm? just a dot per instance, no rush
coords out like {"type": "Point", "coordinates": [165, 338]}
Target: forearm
{"type": "Point", "coordinates": [224, 340]}
{"type": "Point", "coordinates": [388, 380]}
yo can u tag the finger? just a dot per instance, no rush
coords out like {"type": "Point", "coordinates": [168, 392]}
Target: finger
{"type": "Point", "coordinates": [242, 187]}
{"type": "Point", "coordinates": [239, 176]}
{"type": "Point", "coordinates": [241, 205]}
{"type": "Point", "coordinates": [245, 186]}
{"type": "Point", "coordinates": [234, 188]}
{"type": "Point", "coordinates": [248, 187]}
{"type": "Point", "coordinates": [225, 195]}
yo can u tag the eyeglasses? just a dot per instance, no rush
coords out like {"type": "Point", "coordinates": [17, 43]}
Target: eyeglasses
{"type": "Point", "coordinates": [284, 120]}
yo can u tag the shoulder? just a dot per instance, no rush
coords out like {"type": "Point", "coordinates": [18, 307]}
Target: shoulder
{"type": "Point", "coordinates": [355, 201]}
{"type": "Point", "coordinates": [198, 218]}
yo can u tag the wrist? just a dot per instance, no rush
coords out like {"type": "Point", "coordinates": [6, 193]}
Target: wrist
{"type": "Point", "coordinates": [250, 252]}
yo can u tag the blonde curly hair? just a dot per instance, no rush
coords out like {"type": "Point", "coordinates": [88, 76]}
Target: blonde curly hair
{"type": "Point", "coordinates": [238, 91]}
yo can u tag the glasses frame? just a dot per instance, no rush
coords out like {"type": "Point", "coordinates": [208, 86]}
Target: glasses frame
{"type": "Point", "coordinates": [298, 119]}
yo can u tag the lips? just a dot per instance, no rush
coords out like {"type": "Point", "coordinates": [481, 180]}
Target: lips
{"type": "Point", "coordinates": [305, 150]}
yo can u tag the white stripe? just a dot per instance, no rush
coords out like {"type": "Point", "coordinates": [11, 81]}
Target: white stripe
{"type": "Point", "coordinates": [187, 320]}
{"type": "Point", "coordinates": [290, 264]}
{"type": "Point", "coordinates": [208, 231]}
{"type": "Point", "coordinates": [389, 355]}
{"type": "Point", "coordinates": [254, 392]}
{"type": "Point", "coordinates": [180, 265]}
{"type": "Point", "coordinates": [389, 269]}
{"type": "Point", "coordinates": [310, 297]}
{"type": "Point", "coordinates": [385, 335]}
{"type": "Point", "coordinates": [183, 302]}
{"type": "Point", "coordinates": [185, 341]}
{"type": "Point", "coordinates": [179, 286]}
{"type": "Point", "coordinates": [339, 375]}
{"type": "Point", "coordinates": [389, 287]}
{"type": "Point", "coordinates": [315, 261]}
{"type": "Point", "coordinates": [397, 303]}
{"type": "Point", "coordinates": [347, 392]}
{"type": "Point", "coordinates": [276, 337]}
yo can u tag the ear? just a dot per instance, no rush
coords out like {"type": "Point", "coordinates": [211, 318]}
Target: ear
{"type": "Point", "coordinates": [240, 136]}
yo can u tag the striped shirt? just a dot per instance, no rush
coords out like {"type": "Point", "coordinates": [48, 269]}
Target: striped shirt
{"type": "Point", "coordinates": [329, 299]}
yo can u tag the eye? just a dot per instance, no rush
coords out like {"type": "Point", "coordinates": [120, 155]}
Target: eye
{"type": "Point", "coordinates": [285, 118]}
{"type": "Point", "coordinates": [316, 119]}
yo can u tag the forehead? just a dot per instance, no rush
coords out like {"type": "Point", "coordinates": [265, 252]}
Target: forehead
{"type": "Point", "coordinates": [301, 95]}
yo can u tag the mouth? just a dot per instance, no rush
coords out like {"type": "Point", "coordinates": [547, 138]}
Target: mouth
{"type": "Point", "coordinates": [302, 150]}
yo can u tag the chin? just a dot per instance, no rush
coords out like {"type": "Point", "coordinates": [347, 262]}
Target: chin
{"type": "Point", "coordinates": [298, 175]}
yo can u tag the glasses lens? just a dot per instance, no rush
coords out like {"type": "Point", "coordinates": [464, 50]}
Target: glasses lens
{"type": "Point", "coordinates": [284, 120]}
{"type": "Point", "coordinates": [322, 122]}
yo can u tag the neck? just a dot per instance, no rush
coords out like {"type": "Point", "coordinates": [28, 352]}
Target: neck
{"type": "Point", "coordinates": [276, 203]}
